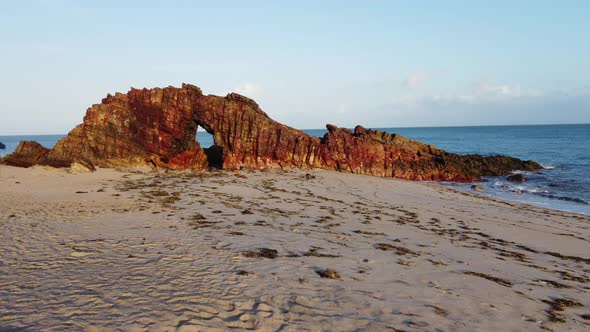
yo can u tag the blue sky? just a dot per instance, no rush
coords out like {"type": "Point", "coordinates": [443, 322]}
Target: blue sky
{"type": "Point", "coordinates": [307, 63]}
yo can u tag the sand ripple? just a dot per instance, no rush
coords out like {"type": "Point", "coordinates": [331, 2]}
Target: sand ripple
{"type": "Point", "coordinates": [183, 252]}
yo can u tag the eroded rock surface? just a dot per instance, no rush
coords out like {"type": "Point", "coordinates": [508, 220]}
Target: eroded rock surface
{"type": "Point", "coordinates": [27, 154]}
{"type": "Point", "coordinates": [158, 127]}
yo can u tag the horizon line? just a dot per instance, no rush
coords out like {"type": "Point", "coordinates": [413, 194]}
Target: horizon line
{"type": "Point", "coordinates": [369, 127]}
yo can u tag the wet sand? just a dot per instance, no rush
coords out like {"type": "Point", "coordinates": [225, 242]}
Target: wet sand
{"type": "Point", "coordinates": [281, 251]}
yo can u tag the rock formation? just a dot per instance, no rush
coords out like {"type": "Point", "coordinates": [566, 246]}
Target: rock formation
{"type": "Point", "coordinates": [158, 127]}
{"type": "Point", "coordinates": [82, 166]}
{"type": "Point", "coordinates": [27, 154]}
{"type": "Point", "coordinates": [477, 187]}
{"type": "Point", "coordinates": [516, 178]}
{"type": "Point", "coordinates": [2, 146]}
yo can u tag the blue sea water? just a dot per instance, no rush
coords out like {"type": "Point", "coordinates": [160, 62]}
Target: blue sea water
{"type": "Point", "coordinates": [563, 150]}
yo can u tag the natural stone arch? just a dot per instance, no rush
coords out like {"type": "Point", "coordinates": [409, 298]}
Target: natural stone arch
{"type": "Point", "coordinates": [158, 127]}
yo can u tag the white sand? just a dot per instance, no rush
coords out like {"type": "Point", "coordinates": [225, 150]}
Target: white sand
{"type": "Point", "coordinates": [165, 252]}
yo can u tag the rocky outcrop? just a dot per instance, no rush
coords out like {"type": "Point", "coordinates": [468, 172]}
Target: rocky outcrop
{"type": "Point", "coordinates": [157, 127]}
{"type": "Point", "coordinates": [82, 165]}
{"type": "Point", "coordinates": [27, 154]}
{"type": "Point", "coordinates": [516, 178]}
{"type": "Point", "coordinates": [2, 146]}
{"type": "Point", "coordinates": [372, 152]}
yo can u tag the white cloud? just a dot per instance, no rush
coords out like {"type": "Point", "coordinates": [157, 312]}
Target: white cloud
{"type": "Point", "coordinates": [484, 103]}
{"type": "Point", "coordinates": [250, 90]}
{"type": "Point", "coordinates": [416, 79]}
{"type": "Point", "coordinates": [487, 90]}
{"type": "Point", "coordinates": [480, 93]}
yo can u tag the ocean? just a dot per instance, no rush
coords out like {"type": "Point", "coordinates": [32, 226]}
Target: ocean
{"type": "Point", "coordinates": [563, 150]}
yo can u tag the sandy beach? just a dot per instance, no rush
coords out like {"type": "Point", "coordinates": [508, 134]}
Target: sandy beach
{"type": "Point", "coordinates": [136, 250]}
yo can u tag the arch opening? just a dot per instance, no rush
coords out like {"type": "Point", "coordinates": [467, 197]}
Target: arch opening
{"type": "Point", "coordinates": [204, 138]}
{"type": "Point", "coordinates": [207, 142]}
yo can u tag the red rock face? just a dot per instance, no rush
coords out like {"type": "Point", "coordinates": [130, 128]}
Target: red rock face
{"type": "Point", "coordinates": [27, 154]}
{"type": "Point", "coordinates": [194, 159]}
{"type": "Point", "coordinates": [128, 129]}
{"type": "Point", "coordinates": [249, 138]}
{"type": "Point", "coordinates": [158, 126]}
{"type": "Point", "coordinates": [378, 153]}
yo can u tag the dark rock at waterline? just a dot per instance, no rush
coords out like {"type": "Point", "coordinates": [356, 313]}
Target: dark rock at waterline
{"type": "Point", "coordinates": [516, 178]}
{"type": "Point", "coordinates": [553, 185]}
{"type": "Point", "coordinates": [2, 146]}
{"type": "Point", "coordinates": [29, 153]}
